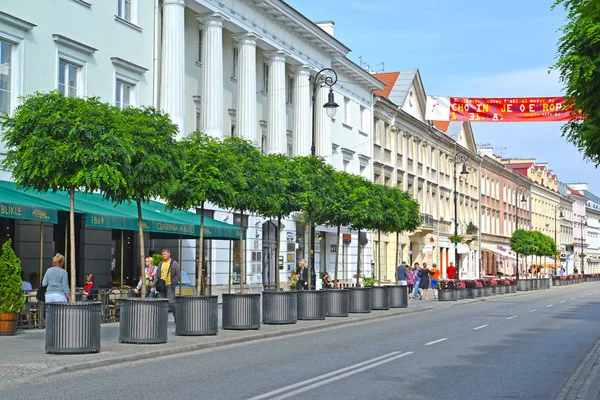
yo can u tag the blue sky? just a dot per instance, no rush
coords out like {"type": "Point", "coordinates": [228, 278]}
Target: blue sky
{"type": "Point", "coordinates": [491, 49]}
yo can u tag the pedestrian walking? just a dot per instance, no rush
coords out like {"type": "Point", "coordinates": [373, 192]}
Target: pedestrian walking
{"type": "Point", "coordinates": [302, 275]}
{"type": "Point", "coordinates": [451, 271]}
{"type": "Point", "coordinates": [410, 281]}
{"type": "Point", "coordinates": [402, 274]}
{"type": "Point", "coordinates": [150, 276]}
{"type": "Point", "coordinates": [417, 291]}
{"type": "Point", "coordinates": [168, 275]}
{"type": "Point", "coordinates": [56, 281]}
{"type": "Point", "coordinates": [326, 281]}
{"type": "Point", "coordinates": [425, 281]}
{"type": "Point", "coordinates": [435, 277]}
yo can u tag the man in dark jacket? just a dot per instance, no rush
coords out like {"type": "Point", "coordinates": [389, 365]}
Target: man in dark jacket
{"type": "Point", "coordinates": [402, 274]}
{"type": "Point", "coordinates": [168, 271]}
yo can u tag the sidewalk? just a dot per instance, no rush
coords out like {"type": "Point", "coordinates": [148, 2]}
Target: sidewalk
{"type": "Point", "coordinates": [23, 359]}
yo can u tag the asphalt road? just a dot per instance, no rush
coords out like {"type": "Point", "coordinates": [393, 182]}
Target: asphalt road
{"type": "Point", "coordinates": [507, 348]}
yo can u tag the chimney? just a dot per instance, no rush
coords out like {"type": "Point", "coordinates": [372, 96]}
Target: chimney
{"type": "Point", "coordinates": [327, 26]}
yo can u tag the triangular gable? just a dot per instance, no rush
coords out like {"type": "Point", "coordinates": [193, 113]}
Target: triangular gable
{"type": "Point", "coordinates": [462, 133]}
{"type": "Point", "coordinates": [389, 79]}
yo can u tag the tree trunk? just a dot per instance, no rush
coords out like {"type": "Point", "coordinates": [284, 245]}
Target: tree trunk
{"type": "Point", "coordinates": [72, 239]}
{"type": "Point", "coordinates": [310, 252]}
{"type": "Point", "coordinates": [242, 255]}
{"type": "Point", "coordinates": [398, 255]}
{"type": "Point", "coordinates": [337, 258]}
{"type": "Point", "coordinates": [358, 261]}
{"type": "Point", "coordinates": [277, 252]}
{"type": "Point", "coordinates": [141, 235]}
{"type": "Point", "coordinates": [200, 266]}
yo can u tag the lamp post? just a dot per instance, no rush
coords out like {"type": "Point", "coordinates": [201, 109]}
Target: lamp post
{"type": "Point", "coordinates": [520, 189]}
{"type": "Point", "coordinates": [561, 208]}
{"type": "Point", "coordinates": [458, 158]}
{"type": "Point", "coordinates": [581, 255]}
{"type": "Point", "coordinates": [320, 80]}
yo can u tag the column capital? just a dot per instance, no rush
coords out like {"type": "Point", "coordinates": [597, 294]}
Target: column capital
{"type": "Point", "coordinates": [173, 3]}
{"type": "Point", "coordinates": [245, 38]}
{"type": "Point", "coordinates": [274, 56]}
{"type": "Point", "coordinates": [301, 70]}
{"type": "Point", "coordinates": [212, 18]}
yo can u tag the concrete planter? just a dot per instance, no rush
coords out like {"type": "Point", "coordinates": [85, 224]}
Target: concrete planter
{"type": "Point", "coordinates": [512, 289]}
{"type": "Point", "coordinates": [546, 283]}
{"type": "Point", "coordinates": [455, 294]}
{"type": "Point", "coordinates": [529, 284]}
{"type": "Point", "coordinates": [522, 285]}
{"type": "Point", "coordinates": [469, 293]}
{"type": "Point", "coordinates": [494, 290]}
{"type": "Point", "coordinates": [380, 298]}
{"type": "Point", "coordinates": [478, 292]}
{"type": "Point", "coordinates": [312, 304]}
{"type": "Point", "coordinates": [360, 300]}
{"type": "Point", "coordinates": [536, 284]}
{"type": "Point", "coordinates": [241, 311]}
{"type": "Point", "coordinates": [279, 307]}
{"type": "Point", "coordinates": [486, 291]}
{"type": "Point", "coordinates": [462, 294]}
{"type": "Point", "coordinates": [73, 328]}
{"type": "Point", "coordinates": [197, 315]}
{"type": "Point", "coordinates": [143, 321]}
{"type": "Point", "coordinates": [338, 302]}
{"type": "Point", "coordinates": [398, 296]}
{"type": "Point", "coordinates": [446, 295]}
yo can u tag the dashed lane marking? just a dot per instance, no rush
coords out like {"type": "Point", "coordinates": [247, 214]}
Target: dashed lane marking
{"type": "Point", "coordinates": [479, 327]}
{"type": "Point", "coordinates": [436, 341]}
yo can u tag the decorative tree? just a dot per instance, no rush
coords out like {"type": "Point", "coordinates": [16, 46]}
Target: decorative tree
{"type": "Point", "coordinates": [207, 173]}
{"type": "Point", "coordinates": [153, 163]}
{"type": "Point", "coordinates": [11, 295]}
{"type": "Point", "coordinates": [523, 242]}
{"type": "Point", "coordinates": [65, 143]}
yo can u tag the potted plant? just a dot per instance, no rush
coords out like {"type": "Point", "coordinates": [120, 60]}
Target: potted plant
{"type": "Point", "coordinates": [470, 289]}
{"type": "Point", "coordinates": [460, 290]}
{"type": "Point", "coordinates": [478, 290]}
{"type": "Point", "coordinates": [11, 295]}
{"type": "Point", "coordinates": [445, 289]}
{"type": "Point", "coordinates": [494, 286]}
{"type": "Point", "coordinates": [455, 239]}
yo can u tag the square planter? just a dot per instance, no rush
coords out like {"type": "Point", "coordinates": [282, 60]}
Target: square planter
{"type": "Point", "coordinates": [144, 321]}
{"type": "Point", "coordinates": [197, 315]}
{"type": "Point", "coordinates": [446, 295]}
{"type": "Point", "coordinates": [312, 304]}
{"type": "Point", "coordinates": [360, 299]}
{"type": "Point", "coordinates": [338, 302]}
{"type": "Point", "coordinates": [241, 311]}
{"type": "Point", "coordinates": [478, 292]}
{"type": "Point", "coordinates": [469, 293]}
{"type": "Point", "coordinates": [456, 294]}
{"type": "Point", "coordinates": [398, 296]}
{"type": "Point", "coordinates": [380, 298]}
{"type": "Point", "coordinates": [494, 290]}
{"type": "Point", "coordinates": [73, 328]}
{"type": "Point", "coordinates": [522, 285]}
{"type": "Point", "coordinates": [279, 307]}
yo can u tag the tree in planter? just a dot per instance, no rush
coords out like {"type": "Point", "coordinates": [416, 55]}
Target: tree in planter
{"type": "Point", "coordinates": [11, 295]}
{"type": "Point", "coordinates": [523, 242]}
{"type": "Point", "coordinates": [65, 143]}
{"type": "Point", "coordinates": [206, 175]}
{"type": "Point", "coordinates": [407, 216]}
{"type": "Point", "coordinates": [152, 165]}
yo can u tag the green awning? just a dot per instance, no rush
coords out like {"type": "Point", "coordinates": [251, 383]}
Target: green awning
{"type": "Point", "coordinates": [16, 205]}
{"type": "Point", "coordinates": [101, 213]}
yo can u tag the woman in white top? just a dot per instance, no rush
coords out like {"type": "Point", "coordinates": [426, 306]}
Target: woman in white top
{"type": "Point", "coordinates": [56, 281]}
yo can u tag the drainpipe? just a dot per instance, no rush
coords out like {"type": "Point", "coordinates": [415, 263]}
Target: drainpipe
{"type": "Point", "coordinates": [155, 55]}
{"type": "Point", "coordinates": [480, 264]}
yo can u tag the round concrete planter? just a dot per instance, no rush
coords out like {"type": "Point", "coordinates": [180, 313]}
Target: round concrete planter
{"type": "Point", "coordinates": [478, 292]}
{"type": "Point", "coordinates": [446, 295]}
{"type": "Point", "coordinates": [279, 307]}
{"type": "Point", "coordinates": [455, 294]}
{"type": "Point", "coordinates": [512, 289]}
{"type": "Point", "coordinates": [73, 328]}
{"type": "Point", "coordinates": [536, 284]}
{"type": "Point", "coordinates": [494, 290]}
{"type": "Point", "coordinates": [462, 294]}
{"type": "Point", "coordinates": [144, 321]}
{"type": "Point", "coordinates": [380, 298]}
{"type": "Point", "coordinates": [241, 311]}
{"type": "Point", "coordinates": [398, 296]}
{"type": "Point", "coordinates": [469, 293]}
{"type": "Point", "coordinates": [197, 315]}
{"type": "Point", "coordinates": [360, 300]}
{"type": "Point", "coordinates": [529, 284]}
{"type": "Point", "coordinates": [547, 283]}
{"type": "Point", "coordinates": [338, 302]}
{"type": "Point", "coordinates": [312, 304]}
{"type": "Point", "coordinates": [522, 285]}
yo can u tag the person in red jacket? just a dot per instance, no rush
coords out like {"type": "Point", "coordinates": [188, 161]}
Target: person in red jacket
{"type": "Point", "coordinates": [451, 271]}
{"type": "Point", "coordinates": [89, 289]}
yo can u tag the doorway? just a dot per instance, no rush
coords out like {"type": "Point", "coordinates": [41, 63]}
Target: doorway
{"type": "Point", "coordinates": [269, 263]}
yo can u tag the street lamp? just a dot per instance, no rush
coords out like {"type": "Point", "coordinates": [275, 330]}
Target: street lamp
{"type": "Point", "coordinates": [520, 189]}
{"type": "Point", "coordinates": [458, 158]}
{"type": "Point", "coordinates": [321, 80]}
{"type": "Point", "coordinates": [561, 208]}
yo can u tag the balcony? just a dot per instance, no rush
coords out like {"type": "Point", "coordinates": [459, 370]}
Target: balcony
{"type": "Point", "coordinates": [428, 224]}
{"type": "Point", "coordinates": [445, 227]}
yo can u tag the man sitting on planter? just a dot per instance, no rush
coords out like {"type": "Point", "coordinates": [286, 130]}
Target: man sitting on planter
{"type": "Point", "coordinates": [168, 278]}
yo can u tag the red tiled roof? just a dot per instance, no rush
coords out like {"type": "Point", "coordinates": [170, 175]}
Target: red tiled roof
{"type": "Point", "coordinates": [519, 165]}
{"type": "Point", "coordinates": [389, 78]}
{"type": "Point", "coordinates": [575, 192]}
{"type": "Point", "coordinates": [442, 125]}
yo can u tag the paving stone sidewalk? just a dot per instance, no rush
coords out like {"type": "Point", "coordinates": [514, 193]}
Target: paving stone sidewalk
{"type": "Point", "coordinates": [584, 384]}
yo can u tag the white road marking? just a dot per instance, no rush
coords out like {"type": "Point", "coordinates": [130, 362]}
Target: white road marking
{"type": "Point", "coordinates": [572, 298]}
{"type": "Point", "coordinates": [533, 311]}
{"type": "Point", "coordinates": [479, 327]}
{"type": "Point", "coordinates": [549, 305]}
{"type": "Point", "coordinates": [333, 376]}
{"type": "Point", "coordinates": [580, 296]}
{"type": "Point", "coordinates": [514, 316]}
{"type": "Point", "coordinates": [562, 302]}
{"type": "Point", "coordinates": [436, 341]}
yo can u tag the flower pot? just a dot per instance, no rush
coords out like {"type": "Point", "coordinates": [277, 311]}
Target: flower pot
{"type": "Point", "coordinates": [197, 315]}
{"type": "Point", "coordinates": [338, 302]}
{"type": "Point", "coordinates": [478, 292]}
{"type": "Point", "coordinates": [360, 300]}
{"type": "Point", "coordinates": [494, 290]}
{"type": "Point", "coordinates": [398, 296]}
{"type": "Point", "coordinates": [8, 324]}
{"type": "Point", "coordinates": [536, 284]}
{"type": "Point", "coordinates": [73, 328]}
{"type": "Point", "coordinates": [522, 285]}
{"type": "Point", "coordinates": [446, 295]}
{"type": "Point", "coordinates": [380, 298]}
{"type": "Point", "coordinates": [503, 289]}
{"type": "Point", "coordinates": [469, 293]}
{"type": "Point", "coordinates": [462, 294]}
{"type": "Point", "coordinates": [241, 311]}
{"type": "Point", "coordinates": [529, 284]}
{"type": "Point", "coordinates": [279, 307]}
{"type": "Point", "coordinates": [144, 321]}
{"type": "Point", "coordinates": [455, 294]}
{"type": "Point", "coordinates": [512, 289]}
{"type": "Point", "coordinates": [312, 304]}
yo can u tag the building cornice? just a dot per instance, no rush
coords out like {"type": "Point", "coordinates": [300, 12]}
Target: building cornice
{"type": "Point", "coordinates": [73, 44]}
{"type": "Point", "coordinates": [129, 66]}
{"type": "Point", "coordinates": [16, 22]}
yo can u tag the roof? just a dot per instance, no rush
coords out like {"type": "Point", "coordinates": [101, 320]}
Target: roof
{"type": "Point", "coordinates": [518, 165]}
{"type": "Point", "coordinates": [442, 125]}
{"type": "Point", "coordinates": [389, 79]}
{"type": "Point", "coordinates": [574, 192]}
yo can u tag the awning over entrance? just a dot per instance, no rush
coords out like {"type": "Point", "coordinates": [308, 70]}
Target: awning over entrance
{"type": "Point", "coordinates": [462, 248]}
{"type": "Point", "coordinates": [495, 249]}
{"type": "Point", "coordinates": [101, 213]}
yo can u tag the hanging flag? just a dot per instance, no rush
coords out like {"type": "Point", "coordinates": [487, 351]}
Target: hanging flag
{"type": "Point", "coordinates": [529, 109]}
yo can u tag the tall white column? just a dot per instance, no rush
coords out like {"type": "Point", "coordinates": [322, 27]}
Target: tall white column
{"type": "Point", "coordinates": [173, 68]}
{"type": "Point", "coordinates": [213, 105]}
{"type": "Point", "coordinates": [276, 128]}
{"type": "Point", "coordinates": [302, 115]}
{"type": "Point", "coordinates": [323, 125]}
{"type": "Point", "coordinates": [247, 122]}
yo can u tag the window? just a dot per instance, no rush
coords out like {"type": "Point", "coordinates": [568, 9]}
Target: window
{"type": "Point", "coordinates": [265, 78]}
{"type": "Point", "coordinates": [67, 78]}
{"type": "Point", "coordinates": [5, 77]}
{"type": "Point", "coordinates": [198, 119]}
{"type": "Point", "coordinates": [377, 133]}
{"type": "Point", "coordinates": [127, 10]}
{"type": "Point", "coordinates": [123, 94]}
{"type": "Point", "coordinates": [364, 120]}
{"type": "Point", "coordinates": [386, 132]}
{"type": "Point", "coordinates": [235, 62]}
{"type": "Point", "coordinates": [347, 116]}
{"type": "Point", "coordinates": [200, 46]}
{"type": "Point", "coordinates": [290, 143]}
{"type": "Point", "coordinates": [290, 91]}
